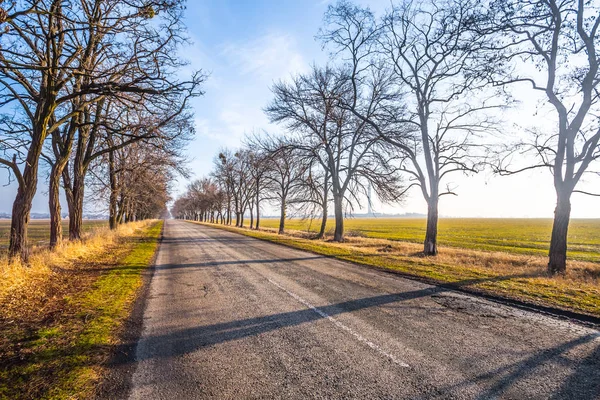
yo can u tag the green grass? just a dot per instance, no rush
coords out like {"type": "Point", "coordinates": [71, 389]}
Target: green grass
{"type": "Point", "coordinates": [519, 236]}
{"type": "Point", "coordinates": [64, 359]}
{"type": "Point", "coordinates": [38, 231]}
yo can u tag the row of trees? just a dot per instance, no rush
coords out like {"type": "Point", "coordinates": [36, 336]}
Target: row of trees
{"type": "Point", "coordinates": [417, 94]}
{"type": "Point", "coordinates": [91, 87]}
{"type": "Point", "coordinates": [289, 172]}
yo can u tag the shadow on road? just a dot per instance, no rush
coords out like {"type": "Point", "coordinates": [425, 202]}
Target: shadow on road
{"type": "Point", "coordinates": [235, 262]}
{"type": "Point", "coordinates": [583, 382]}
{"type": "Point", "coordinates": [196, 240]}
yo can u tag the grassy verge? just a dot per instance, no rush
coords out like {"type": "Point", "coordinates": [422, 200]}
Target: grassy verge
{"type": "Point", "coordinates": [55, 340]}
{"type": "Point", "coordinates": [510, 235]}
{"type": "Point", "coordinates": [513, 276]}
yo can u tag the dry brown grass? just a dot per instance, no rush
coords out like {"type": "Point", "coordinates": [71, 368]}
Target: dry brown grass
{"type": "Point", "coordinates": [25, 288]}
{"type": "Point", "coordinates": [500, 263]}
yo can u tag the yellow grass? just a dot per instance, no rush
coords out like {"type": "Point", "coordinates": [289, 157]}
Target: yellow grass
{"type": "Point", "coordinates": [19, 282]}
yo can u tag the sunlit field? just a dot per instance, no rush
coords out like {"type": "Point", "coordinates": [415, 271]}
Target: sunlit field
{"type": "Point", "coordinates": [522, 236]}
{"type": "Point", "coordinates": [39, 231]}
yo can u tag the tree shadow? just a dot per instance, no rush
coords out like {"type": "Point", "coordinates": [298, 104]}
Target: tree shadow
{"type": "Point", "coordinates": [192, 339]}
{"type": "Point", "coordinates": [186, 240]}
{"type": "Point", "coordinates": [583, 384]}
{"type": "Point", "coordinates": [234, 262]}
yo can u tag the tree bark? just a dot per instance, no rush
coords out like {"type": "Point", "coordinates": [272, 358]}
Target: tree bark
{"type": "Point", "coordinates": [257, 209]}
{"type": "Point", "coordinates": [282, 217]}
{"type": "Point", "coordinates": [121, 213]}
{"type": "Point", "coordinates": [112, 207]}
{"type": "Point", "coordinates": [26, 191]}
{"type": "Point", "coordinates": [54, 204]}
{"type": "Point", "coordinates": [557, 263]}
{"type": "Point", "coordinates": [20, 219]}
{"type": "Point", "coordinates": [430, 245]}
{"type": "Point", "coordinates": [76, 214]}
{"type": "Point", "coordinates": [338, 236]}
{"type": "Point", "coordinates": [321, 234]}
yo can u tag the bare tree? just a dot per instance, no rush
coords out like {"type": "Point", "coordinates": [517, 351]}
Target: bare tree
{"type": "Point", "coordinates": [36, 64]}
{"type": "Point", "coordinates": [344, 146]}
{"type": "Point", "coordinates": [59, 61]}
{"type": "Point", "coordinates": [144, 94]}
{"type": "Point", "coordinates": [313, 194]}
{"type": "Point", "coordinates": [551, 46]}
{"type": "Point", "coordinates": [284, 174]}
{"type": "Point", "coordinates": [224, 175]}
{"type": "Point", "coordinates": [258, 167]}
{"type": "Point", "coordinates": [415, 77]}
{"type": "Point", "coordinates": [123, 176]}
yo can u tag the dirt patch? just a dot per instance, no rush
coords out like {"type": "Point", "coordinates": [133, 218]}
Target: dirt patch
{"type": "Point", "coordinates": [386, 249]}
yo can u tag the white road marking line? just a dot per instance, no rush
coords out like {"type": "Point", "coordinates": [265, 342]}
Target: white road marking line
{"type": "Point", "coordinates": [343, 327]}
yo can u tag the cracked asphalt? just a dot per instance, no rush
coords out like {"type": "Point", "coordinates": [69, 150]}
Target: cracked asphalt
{"type": "Point", "coordinates": [231, 317]}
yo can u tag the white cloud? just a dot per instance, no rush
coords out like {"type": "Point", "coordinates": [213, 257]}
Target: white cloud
{"type": "Point", "coordinates": [269, 57]}
{"type": "Point", "coordinates": [230, 126]}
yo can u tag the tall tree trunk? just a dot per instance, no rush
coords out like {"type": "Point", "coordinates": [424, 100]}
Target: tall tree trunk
{"type": "Point", "coordinates": [76, 217]}
{"type": "Point", "coordinates": [112, 207]}
{"type": "Point", "coordinates": [251, 211]}
{"type": "Point", "coordinates": [430, 245]}
{"type": "Point", "coordinates": [121, 213]}
{"type": "Point", "coordinates": [557, 263]}
{"type": "Point", "coordinates": [76, 214]}
{"type": "Point", "coordinates": [54, 204]}
{"type": "Point", "coordinates": [339, 218]}
{"type": "Point", "coordinates": [26, 191]}
{"type": "Point", "coordinates": [257, 210]}
{"type": "Point", "coordinates": [283, 216]}
{"type": "Point", "coordinates": [20, 218]}
{"type": "Point", "coordinates": [321, 234]}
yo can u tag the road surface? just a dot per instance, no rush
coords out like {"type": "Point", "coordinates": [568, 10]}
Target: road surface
{"type": "Point", "coordinates": [231, 317]}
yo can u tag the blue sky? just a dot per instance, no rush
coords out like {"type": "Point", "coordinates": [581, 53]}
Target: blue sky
{"type": "Point", "coordinates": [247, 45]}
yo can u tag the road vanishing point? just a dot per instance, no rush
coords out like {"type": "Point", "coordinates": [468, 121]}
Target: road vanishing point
{"type": "Point", "coordinates": [231, 317]}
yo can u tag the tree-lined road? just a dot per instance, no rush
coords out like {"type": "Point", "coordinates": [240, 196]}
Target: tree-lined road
{"type": "Point", "coordinates": [228, 316]}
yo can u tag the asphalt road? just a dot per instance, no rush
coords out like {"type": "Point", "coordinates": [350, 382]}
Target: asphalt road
{"type": "Point", "coordinates": [231, 317]}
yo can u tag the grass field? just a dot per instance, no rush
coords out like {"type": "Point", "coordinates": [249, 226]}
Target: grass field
{"type": "Point", "coordinates": [519, 236]}
{"type": "Point", "coordinates": [39, 230]}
